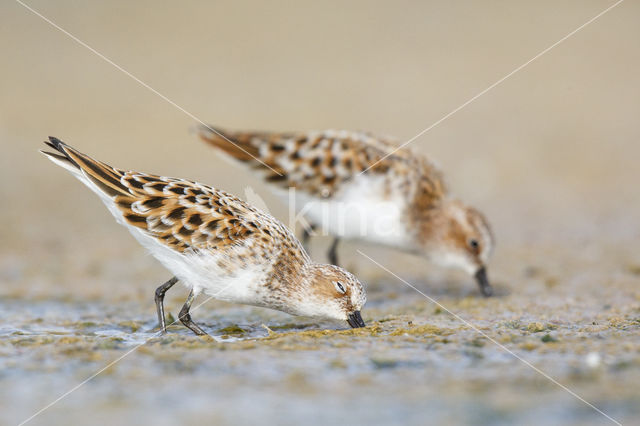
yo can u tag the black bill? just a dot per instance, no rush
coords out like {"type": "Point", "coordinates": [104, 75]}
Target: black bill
{"type": "Point", "coordinates": [355, 320]}
{"type": "Point", "coordinates": [483, 282]}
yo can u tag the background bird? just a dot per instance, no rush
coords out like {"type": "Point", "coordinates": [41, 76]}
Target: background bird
{"type": "Point", "coordinates": [357, 186]}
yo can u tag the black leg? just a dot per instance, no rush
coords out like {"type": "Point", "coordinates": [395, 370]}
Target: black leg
{"type": "Point", "coordinates": [160, 291]}
{"type": "Point", "coordinates": [333, 256]}
{"type": "Point", "coordinates": [306, 235]}
{"type": "Point", "coordinates": [186, 318]}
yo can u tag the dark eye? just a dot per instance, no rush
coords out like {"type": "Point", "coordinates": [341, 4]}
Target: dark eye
{"type": "Point", "coordinates": [339, 287]}
{"type": "Point", "coordinates": [474, 244]}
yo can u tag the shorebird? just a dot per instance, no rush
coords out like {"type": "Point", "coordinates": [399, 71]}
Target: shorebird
{"type": "Point", "coordinates": [357, 186]}
{"type": "Point", "coordinates": [216, 244]}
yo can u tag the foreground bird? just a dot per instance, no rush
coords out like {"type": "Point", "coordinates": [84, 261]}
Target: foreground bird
{"type": "Point", "coordinates": [358, 186]}
{"type": "Point", "coordinates": [216, 244]}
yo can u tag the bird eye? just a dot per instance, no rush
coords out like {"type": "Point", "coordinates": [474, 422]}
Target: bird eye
{"type": "Point", "coordinates": [474, 244]}
{"type": "Point", "coordinates": [339, 287]}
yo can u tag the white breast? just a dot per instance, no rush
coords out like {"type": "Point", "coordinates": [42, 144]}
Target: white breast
{"type": "Point", "coordinates": [363, 209]}
{"type": "Point", "coordinates": [204, 273]}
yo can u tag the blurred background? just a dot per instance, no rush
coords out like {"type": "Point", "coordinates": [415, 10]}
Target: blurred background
{"type": "Point", "coordinates": [550, 155]}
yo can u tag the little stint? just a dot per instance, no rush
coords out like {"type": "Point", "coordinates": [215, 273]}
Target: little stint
{"type": "Point", "coordinates": [216, 244]}
{"type": "Point", "coordinates": [357, 186]}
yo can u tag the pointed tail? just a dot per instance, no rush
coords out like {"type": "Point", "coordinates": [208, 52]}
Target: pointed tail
{"type": "Point", "coordinates": [104, 177]}
{"type": "Point", "coordinates": [242, 146]}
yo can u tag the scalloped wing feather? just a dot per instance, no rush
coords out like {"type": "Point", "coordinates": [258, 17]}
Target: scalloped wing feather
{"type": "Point", "coordinates": [320, 163]}
{"type": "Point", "coordinates": [179, 213]}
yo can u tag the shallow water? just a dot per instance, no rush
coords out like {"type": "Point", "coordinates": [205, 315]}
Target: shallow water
{"type": "Point", "coordinates": [413, 363]}
{"type": "Point", "coordinates": [549, 155]}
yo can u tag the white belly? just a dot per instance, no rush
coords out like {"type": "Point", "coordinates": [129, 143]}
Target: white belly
{"type": "Point", "coordinates": [361, 210]}
{"type": "Point", "coordinates": [205, 274]}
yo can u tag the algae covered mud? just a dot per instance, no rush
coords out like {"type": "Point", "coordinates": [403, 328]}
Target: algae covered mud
{"type": "Point", "coordinates": [550, 155]}
{"type": "Point", "coordinates": [415, 363]}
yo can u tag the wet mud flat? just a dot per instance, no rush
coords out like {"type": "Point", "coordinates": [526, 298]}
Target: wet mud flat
{"type": "Point", "coordinates": [414, 362]}
{"type": "Point", "coordinates": [550, 156]}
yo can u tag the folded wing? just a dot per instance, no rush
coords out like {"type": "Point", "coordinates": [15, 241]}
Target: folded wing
{"type": "Point", "coordinates": [317, 162]}
{"type": "Point", "coordinates": [179, 213]}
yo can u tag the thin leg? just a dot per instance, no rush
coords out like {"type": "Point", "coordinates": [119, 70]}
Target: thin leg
{"type": "Point", "coordinates": [160, 291]}
{"type": "Point", "coordinates": [186, 318]}
{"type": "Point", "coordinates": [306, 235]}
{"type": "Point", "coordinates": [333, 256]}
